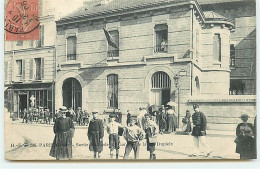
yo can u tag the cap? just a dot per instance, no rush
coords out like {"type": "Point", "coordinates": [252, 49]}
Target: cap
{"type": "Point", "coordinates": [244, 116]}
{"type": "Point", "coordinates": [196, 106]}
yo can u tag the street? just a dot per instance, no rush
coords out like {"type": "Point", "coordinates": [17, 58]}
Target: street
{"type": "Point", "coordinates": [33, 142]}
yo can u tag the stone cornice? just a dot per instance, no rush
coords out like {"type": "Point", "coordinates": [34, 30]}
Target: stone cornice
{"type": "Point", "coordinates": [30, 49]}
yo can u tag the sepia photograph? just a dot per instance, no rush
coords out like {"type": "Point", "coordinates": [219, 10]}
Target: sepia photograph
{"type": "Point", "coordinates": [130, 80]}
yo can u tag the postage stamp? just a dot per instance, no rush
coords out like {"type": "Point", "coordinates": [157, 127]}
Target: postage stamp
{"type": "Point", "coordinates": [22, 20]}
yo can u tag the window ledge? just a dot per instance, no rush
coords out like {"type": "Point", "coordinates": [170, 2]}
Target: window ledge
{"type": "Point", "coordinates": [216, 63]}
{"type": "Point", "coordinates": [112, 59]}
{"type": "Point", "coordinates": [232, 67]}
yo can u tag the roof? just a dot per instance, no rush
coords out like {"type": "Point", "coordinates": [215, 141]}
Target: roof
{"type": "Point", "coordinates": [115, 6]}
{"type": "Point", "coordinates": [213, 16]}
{"type": "Point", "coordinates": [204, 2]}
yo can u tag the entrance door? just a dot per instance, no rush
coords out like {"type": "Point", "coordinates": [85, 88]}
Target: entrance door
{"type": "Point", "coordinates": [72, 93]}
{"type": "Point", "coordinates": [22, 103]}
{"type": "Point", "coordinates": [161, 87]}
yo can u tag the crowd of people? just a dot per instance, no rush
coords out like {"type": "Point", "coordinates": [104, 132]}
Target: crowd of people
{"type": "Point", "coordinates": [146, 126]}
{"type": "Point", "coordinates": [36, 115]}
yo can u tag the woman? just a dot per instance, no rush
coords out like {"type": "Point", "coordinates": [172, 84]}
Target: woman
{"type": "Point", "coordinates": [64, 131]}
{"type": "Point", "coordinates": [245, 139]}
{"type": "Point", "coordinates": [187, 122]}
{"type": "Point", "coordinates": [171, 120]}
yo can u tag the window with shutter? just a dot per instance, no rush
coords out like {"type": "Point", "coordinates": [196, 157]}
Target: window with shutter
{"type": "Point", "coordinates": [232, 55]}
{"type": "Point", "coordinates": [31, 69]}
{"type": "Point", "coordinates": [38, 68]}
{"type": "Point", "coordinates": [23, 69]}
{"type": "Point", "coordinates": [217, 48]}
{"type": "Point", "coordinates": [112, 91]}
{"type": "Point", "coordinates": [42, 35]}
{"type": "Point", "coordinates": [71, 47]}
{"type": "Point", "coordinates": [161, 38]}
{"type": "Point", "coordinates": [42, 68]}
{"type": "Point", "coordinates": [19, 67]}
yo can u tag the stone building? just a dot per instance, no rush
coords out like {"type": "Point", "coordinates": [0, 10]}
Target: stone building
{"type": "Point", "coordinates": [30, 67]}
{"type": "Point", "coordinates": [242, 42]}
{"type": "Point", "coordinates": [164, 47]}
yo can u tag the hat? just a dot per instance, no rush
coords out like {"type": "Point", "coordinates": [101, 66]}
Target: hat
{"type": "Point", "coordinates": [112, 115]}
{"type": "Point", "coordinates": [187, 111]}
{"type": "Point", "coordinates": [196, 106]}
{"type": "Point", "coordinates": [95, 111]}
{"type": "Point", "coordinates": [63, 109]}
{"type": "Point", "coordinates": [79, 107]}
{"type": "Point", "coordinates": [244, 116]}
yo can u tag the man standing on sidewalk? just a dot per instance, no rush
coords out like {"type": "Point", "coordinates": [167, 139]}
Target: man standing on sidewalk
{"type": "Point", "coordinates": [199, 131]}
{"type": "Point", "coordinates": [96, 134]}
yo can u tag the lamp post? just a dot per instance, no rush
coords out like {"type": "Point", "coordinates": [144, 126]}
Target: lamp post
{"type": "Point", "coordinates": [177, 85]}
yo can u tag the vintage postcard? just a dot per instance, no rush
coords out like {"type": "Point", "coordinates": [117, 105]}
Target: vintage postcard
{"type": "Point", "coordinates": [130, 79]}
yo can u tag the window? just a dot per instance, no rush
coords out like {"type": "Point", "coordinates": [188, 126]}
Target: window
{"type": "Point", "coordinates": [39, 68]}
{"type": "Point", "coordinates": [161, 38]}
{"type": "Point", "coordinates": [71, 48]}
{"type": "Point", "coordinates": [217, 48]}
{"type": "Point", "coordinates": [237, 87]}
{"type": "Point", "coordinates": [19, 64]}
{"type": "Point", "coordinates": [112, 91]}
{"type": "Point", "coordinates": [232, 55]}
{"type": "Point", "coordinates": [19, 43]}
{"type": "Point", "coordinates": [40, 43]}
{"type": "Point", "coordinates": [112, 51]}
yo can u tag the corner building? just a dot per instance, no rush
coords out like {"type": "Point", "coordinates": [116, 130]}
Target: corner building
{"type": "Point", "coordinates": [157, 41]}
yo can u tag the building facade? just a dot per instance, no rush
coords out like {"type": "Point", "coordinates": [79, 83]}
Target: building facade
{"type": "Point", "coordinates": [242, 42]}
{"type": "Point", "coordinates": [30, 67]}
{"type": "Point", "coordinates": [167, 51]}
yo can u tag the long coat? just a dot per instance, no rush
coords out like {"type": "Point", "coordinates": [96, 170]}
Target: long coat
{"type": "Point", "coordinates": [245, 142]}
{"type": "Point", "coordinates": [199, 124]}
{"type": "Point", "coordinates": [62, 143]}
{"type": "Point", "coordinates": [95, 135]}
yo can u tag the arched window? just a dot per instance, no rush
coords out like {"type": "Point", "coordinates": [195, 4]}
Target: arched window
{"type": "Point", "coordinates": [112, 91]}
{"type": "Point", "coordinates": [160, 88]}
{"type": "Point", "coordinates": [197, 82]}
{"type": "Point", "coordinates": [161, 80]}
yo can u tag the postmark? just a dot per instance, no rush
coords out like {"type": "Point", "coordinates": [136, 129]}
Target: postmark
{"type": "Point", "coordinates": [22, 20]}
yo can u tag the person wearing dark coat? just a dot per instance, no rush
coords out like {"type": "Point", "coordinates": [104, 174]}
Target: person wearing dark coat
{"type": "Point", "coordinates": [245, 140]}
{"type": "Point", "coordinates": [161, 118]}
{"type": "Point", "coordinates": [96, 134]}
{"type": "Point", "coordinates": [64, 132]}
{"type": "Point", "coordinates": [128, 118]}
{"type": "Point", "coordinates": [199, 131]}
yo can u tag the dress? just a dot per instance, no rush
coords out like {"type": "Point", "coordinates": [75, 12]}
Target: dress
{"type": "Point", "coordinates": [62, 143]}
{"type": "Point", "coordinates": [161, 117]}
{"type": "Point", "coordinates": [171, 121]}
{"type": "Point", "coordinates": [95, 135]}
{"type": "Point", "coordinates": [245, 141]}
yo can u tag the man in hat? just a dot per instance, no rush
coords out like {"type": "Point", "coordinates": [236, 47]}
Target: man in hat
{"type": "Point", "coordinates": [96, 134]}
{"type": "Point", "coordinates": [112, 130]}
{"type": "Point", "coordinates": [133, 134]}
{"type": "Point", "coordinates": [199, 131]}
{"type": "Point", "coordinates": [47, 116]}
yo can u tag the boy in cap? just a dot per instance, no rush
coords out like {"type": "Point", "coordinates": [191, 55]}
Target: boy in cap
{"type": "Point", "coordinates": [112, 130]}
{"type": "Point", "coordinates": [96, 134]}
{"type": "Point", "coordinates": [199, 131]}
{"type": "Point", "coordinates": [133, 135]}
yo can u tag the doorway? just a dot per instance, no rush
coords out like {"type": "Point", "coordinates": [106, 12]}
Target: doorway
{"type": "Point", "coordinates": [22, 103]}
{"type": "Point", "coordinates": [72, 93]}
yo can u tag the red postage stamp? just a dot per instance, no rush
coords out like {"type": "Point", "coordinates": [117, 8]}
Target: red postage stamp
{"type": "Point", "coordinates": [22, 20]}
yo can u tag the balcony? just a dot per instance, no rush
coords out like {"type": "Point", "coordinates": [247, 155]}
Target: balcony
{"type": "Point", "coordinates": [71, 57]}
{"type": "Point", "coordinates": [113, 53]}
{"type": "Point", "coordinates": [161, 48]}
